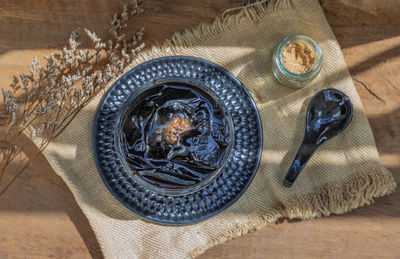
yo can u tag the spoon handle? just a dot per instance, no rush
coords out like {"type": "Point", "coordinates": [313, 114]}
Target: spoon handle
{"type": "Point", "coordinates": [304, 154]}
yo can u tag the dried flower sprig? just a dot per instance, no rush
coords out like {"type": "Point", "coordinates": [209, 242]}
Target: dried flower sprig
{"type": "Point", "coordinates": [42, 103]}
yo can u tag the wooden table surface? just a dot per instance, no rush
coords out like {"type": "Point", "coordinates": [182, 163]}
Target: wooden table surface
{"type": "Point", "coordinates": [38, 215]}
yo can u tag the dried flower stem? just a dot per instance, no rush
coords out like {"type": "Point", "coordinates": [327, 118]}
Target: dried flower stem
{"type": "Point", "coordinates": [52, 95]}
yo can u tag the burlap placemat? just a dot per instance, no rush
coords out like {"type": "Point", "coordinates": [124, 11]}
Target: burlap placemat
{"type": "Point", "coordinates": [344, 174]}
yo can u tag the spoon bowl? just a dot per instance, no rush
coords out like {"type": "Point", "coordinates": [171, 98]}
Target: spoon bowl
{"type": "Point", "coordinates": [329, 112]}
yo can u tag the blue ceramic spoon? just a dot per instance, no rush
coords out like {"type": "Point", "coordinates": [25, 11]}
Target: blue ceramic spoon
{"type": "Point", "coordinates": [329, 113]}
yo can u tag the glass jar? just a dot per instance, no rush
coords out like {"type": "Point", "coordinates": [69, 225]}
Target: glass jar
{"type": "Point", "coordinates": [289, 78]}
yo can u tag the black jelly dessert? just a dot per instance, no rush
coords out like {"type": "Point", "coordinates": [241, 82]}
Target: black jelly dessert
{"type": "Point", "coordinates": [174, 136]}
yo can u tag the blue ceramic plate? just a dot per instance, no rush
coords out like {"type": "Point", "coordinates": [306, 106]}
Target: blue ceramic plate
{"type": "Point", "coordinates": [224, 186]}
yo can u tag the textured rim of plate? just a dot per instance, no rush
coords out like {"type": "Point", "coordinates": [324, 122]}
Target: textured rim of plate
{"type": "Point", "coordinates": [226, 188]}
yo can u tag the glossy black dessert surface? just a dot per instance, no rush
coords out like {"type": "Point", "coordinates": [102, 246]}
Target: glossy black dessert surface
{"type": "Point", "coordinates": [174, 136]}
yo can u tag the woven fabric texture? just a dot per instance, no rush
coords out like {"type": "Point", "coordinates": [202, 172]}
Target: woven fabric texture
{"type": "Point", "coordinates": [344, 174]}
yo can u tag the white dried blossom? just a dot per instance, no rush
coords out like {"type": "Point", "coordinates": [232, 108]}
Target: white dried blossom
{"type": "Point", "coordinates": [125, 55]}
{"type": "Point", "coordinates": [100, 45]}
{"type": "Point", "coordinates": [10, 102]}
{"type": "Point", "coordinates": [92, 36]}
{"type": "Point", "coordinates": [35, 62]}
{"type": "Point", "coordinates": [38, 109]}
{"type": "Point", "coordinates": [73, 43]}
{"type": "Point", "coordinates": [75, 77]}
{"type": "Point", "coordinates": [138, 36]}
{"type": "Point", "coordinates": [78, 93]}
{"type": "Point", "coordinates": [24, 79]}
{"type": "Point", "coordinates": [52, 82]}
{"type": "Point", "coordinates": [87, 69]}
{"type": "Point", "coordinates": [56, 73]}
{"type": "Point", "coordinates": [49, 107]}
{"type": "Point", "coordinates": [68, 80]}
{"type": "Point", "coordinates": [13, 119]}
{"type": "Point", "coordinates": [138, 49]}
{"type": "Point", "coordinates": [33, 131]}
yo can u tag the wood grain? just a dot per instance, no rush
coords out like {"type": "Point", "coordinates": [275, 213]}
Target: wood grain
{"type": "Point", "coordinates": [38, 215]}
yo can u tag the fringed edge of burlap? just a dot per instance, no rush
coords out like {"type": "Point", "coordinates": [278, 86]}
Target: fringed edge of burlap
{"type": "Point", "coordinates": [332, 198]}
{"type": "Point", "coordinates": [190, 37]}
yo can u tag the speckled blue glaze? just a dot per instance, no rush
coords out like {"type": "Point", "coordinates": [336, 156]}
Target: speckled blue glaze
{"type": "Point", "coordinates": [241, 164]}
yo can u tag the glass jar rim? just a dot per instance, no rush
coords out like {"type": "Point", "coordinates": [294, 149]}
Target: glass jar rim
{"type": "Point", "coordinates": [310, 41]}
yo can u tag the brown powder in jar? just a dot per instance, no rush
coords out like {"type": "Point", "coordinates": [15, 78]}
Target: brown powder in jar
{"type": "Point", "coordinates": [298, 57]}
